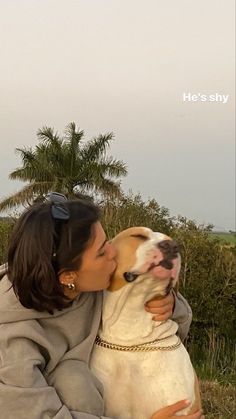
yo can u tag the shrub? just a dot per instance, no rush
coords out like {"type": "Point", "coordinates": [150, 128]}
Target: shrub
{"type": "Point", "coordinates": [6, 225]}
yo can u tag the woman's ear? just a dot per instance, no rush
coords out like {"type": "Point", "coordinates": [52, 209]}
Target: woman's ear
{"type": "Point", "coordinates": [69, 282]}
{"type": "Point", "coordinates": [66, 278]}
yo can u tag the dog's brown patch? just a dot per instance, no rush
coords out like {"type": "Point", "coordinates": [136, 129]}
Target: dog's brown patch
{"type": "Point", "coordinates": [126, 244]}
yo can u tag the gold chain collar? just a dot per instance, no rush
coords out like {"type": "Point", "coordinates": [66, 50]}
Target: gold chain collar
{"type": "Point", "coordinates": [143, 347]}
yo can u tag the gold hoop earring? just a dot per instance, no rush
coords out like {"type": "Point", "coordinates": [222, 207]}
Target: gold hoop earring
{"type": "Point", "coordinates": [70, 286]}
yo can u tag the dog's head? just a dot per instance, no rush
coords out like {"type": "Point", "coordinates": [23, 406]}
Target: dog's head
{"type": "Point", "coordinates": [141, 253]}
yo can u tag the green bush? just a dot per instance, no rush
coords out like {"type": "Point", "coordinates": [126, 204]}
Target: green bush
{"type": "Point", "coordinates": [132, 211]}
{"type": "Point", "coordinates": [6, 226]}
{"type": "Point", "coordinates": [208, 281]}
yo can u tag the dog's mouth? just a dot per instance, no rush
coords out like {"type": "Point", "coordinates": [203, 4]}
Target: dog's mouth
{"type": "Point", "coordinates": [169, 251]}
{"type": "Point", "coordinates": [131, 276]}
{"type": "Point", "coordinates": [165, 263]}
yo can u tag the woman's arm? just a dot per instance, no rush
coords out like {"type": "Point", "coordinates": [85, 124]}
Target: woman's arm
{"type": "Point", "coordinates": [182, 314]}
{"type": "Point", "coordinates": [172, 306]}
{"type": "Point", "coordinates": [169, 412]}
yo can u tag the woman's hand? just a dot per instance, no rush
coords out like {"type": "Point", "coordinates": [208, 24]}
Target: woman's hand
{"type": "Point", "coordinates": [162, 308]}
{"type": "Point", "coordinates": [169, 412]}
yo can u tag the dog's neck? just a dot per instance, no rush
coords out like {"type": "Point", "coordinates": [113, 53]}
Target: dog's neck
{"type": "Point", "coordinates": [124, 318]}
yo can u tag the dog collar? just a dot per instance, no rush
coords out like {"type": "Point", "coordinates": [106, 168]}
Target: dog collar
{"type": "Point", "coordinates": [143, 347]}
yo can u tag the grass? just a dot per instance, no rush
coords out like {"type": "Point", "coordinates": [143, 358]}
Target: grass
{"type": "Point", "coordinates": [215, 359]}
{"type": "Point", "coordinates": [229, 238]}
{"type": "Point", "coordinates": [218, 401]}
{"type": "Point", "coordinates": [215, 365]}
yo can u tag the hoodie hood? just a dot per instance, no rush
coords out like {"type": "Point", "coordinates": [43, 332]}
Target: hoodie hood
{"type": "Point", "coordinates": [11, 310]}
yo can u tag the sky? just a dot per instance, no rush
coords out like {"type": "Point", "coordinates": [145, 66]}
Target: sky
{"type": "Point", "coordinates": [133, 67]}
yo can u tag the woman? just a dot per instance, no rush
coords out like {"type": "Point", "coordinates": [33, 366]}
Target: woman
{"type": "Point", "coordinates": [59, 261]}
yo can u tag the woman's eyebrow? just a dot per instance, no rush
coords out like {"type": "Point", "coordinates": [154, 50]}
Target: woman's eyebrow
{"type": "Point", "coordinates": [102, 244]}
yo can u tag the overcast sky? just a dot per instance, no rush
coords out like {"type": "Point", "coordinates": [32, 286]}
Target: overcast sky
{"type": "Point", "coordinates": [123, 66]}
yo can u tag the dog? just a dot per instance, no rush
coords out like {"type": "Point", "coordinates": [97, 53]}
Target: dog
{"type": "Point", "coordinates": [142, 363]}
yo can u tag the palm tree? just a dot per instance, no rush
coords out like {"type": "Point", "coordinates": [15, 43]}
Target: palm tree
{"type": "Point", "coordinates": [67, 165]}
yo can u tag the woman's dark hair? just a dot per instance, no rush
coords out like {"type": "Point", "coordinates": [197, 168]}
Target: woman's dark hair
{"type": "Point", "coordinates": [41, 246]}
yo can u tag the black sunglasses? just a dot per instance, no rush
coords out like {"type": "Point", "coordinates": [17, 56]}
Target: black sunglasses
{"type": "Point", "coordinates": [58, 210]}
{"type": "Point", "coordinates": [60, 213]}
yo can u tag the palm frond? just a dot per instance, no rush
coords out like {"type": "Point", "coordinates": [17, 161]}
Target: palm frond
{"type": "Point", "coordinates": [109, 167]}
{"type": "Point", "coordinates": [27, 154]}
{"type": "Point", "coordinates": [25, 195]}
{"type": "Point", "coordinates": [23, 174]}
{"type": "Point", "coordinates": [106, 187]}
{"type": "Point", "coordinates": [71, 133]}
{"type": "Point", "coordinates": [32, 173]}
{"type": "Point", "coordinates": [97, 147]}
{"type": "Point", "coordinates": [71, 146]}
{"type": "Point", "coordinates": [47, 135]}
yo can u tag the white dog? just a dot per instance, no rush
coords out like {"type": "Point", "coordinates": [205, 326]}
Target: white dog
{"type": "Point", "coordinates": [142, 363]}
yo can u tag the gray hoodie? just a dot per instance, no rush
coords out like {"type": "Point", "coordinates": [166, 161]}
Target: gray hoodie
{"type": "Point", "coordinates": [44, 359]}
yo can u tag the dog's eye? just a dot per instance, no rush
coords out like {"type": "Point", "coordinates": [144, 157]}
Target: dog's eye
{"type": "Point", "coordinates": [140, 237]}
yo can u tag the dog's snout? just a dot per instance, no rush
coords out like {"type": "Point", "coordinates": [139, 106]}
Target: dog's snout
{"type": "Point", "coordinates": [169, 249]}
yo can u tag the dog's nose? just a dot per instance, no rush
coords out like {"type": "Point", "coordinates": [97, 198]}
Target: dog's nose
{"type": "Point", "coordinates": [169, 249]}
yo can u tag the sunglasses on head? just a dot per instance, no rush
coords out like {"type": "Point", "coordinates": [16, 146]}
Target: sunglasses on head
{"type": "Point", "coordinates": [60, 213]}
{"type": "Point", "coordinates": [58, 210]}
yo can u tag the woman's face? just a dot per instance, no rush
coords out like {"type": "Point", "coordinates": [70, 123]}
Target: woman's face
{"type": "Point", "coordinates": [98, 264]}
